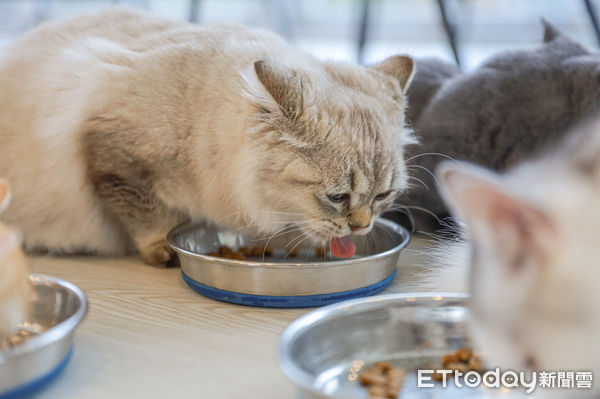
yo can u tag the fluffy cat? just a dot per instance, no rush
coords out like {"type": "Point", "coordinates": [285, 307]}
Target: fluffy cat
{"type": "Point", "coordinates": [514, 106]}
{"type": "Point", "coordinates": [14, 284]}
{"type": "Point", "coordinates": [119, 126]}
{"type": "Point", "coordinates": [533, 272]}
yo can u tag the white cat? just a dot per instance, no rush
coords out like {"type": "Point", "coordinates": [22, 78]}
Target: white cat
{"type": "Point", "coordinates": [534, 273]}
{"type": "Point", "coordinates": [116, 127]}
{"type": "Point", "coordinates": [14, 284]}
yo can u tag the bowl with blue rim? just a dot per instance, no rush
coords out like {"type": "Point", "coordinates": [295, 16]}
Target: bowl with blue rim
{"type": "Point", "coordinates": [42, 346]}
{"type": "Point", "coordinates": [309, 278]}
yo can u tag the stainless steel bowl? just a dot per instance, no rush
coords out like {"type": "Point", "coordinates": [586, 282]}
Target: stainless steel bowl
{"type": "Point", "coordinates": [324, 351]}
{"type": "Point", "coordinates": [306, 280]}
{"type": "Point", "coordinates": [58, 307]}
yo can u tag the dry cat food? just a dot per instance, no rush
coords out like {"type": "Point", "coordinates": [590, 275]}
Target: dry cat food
{"type": "Point", "coordinates": [256, 252]}
{"type": "Point", "coordinates": [225, 252]}
{"type": "Point", "coordinates": [241, 254]}
{"type": "Point", "coordinates": [17, 338]}
{"type": "Point", "coordinates": [320, 252]}
{"type": "Point", "coordinates": [383, 380]}
{"type": "Point", "coordinates": [462, 360]}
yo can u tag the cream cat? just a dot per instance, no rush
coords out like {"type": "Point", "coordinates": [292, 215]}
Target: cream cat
{"type": "Point", "coordinates": [119, 126]}
{"type": "Point", "coordinates": [14, 285]}
{"type": "Point", "coordinates": [533, 274]}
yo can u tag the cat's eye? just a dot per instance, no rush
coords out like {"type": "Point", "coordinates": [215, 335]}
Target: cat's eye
{"type": "Point", "coordinates": [382, 196]}
{"type": "Point", "coordinates": [338, 198]}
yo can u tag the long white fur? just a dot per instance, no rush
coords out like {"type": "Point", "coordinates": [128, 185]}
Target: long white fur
{"type": "Point", "coordinates": [62, 74]}
{"type": "Point", "coordinates": [544, 312]}
{"type": "Point", "coordinates": [14, 285]}
{"type": "Point", "coordinates": [446, 267]}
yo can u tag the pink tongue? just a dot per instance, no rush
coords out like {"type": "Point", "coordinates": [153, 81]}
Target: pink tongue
{"type": "Point", "coordinates": [342, 247]}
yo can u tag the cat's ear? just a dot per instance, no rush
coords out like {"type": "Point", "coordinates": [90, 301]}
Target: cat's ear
{"type": "Point", "coordinates": [284, 87]}
{"type": "Point", "coordinates": [560, 44]}
{"type": "Point", "coordinates": [550, 32]}
{"type": "Point", "coordinates": [400, 67]}
{"type": "Point", "coordinates": [515, 228]}
{"type": "Point", "coordinates": [4, 195]}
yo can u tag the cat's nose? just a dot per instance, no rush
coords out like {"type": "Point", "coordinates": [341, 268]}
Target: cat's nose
{"type": "Point", "coordinates": [354, 227]}
{"type": "Point", "coordinates": [359, 218]}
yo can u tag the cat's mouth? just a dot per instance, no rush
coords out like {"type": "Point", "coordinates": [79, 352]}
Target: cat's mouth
{"type": "Point", "coordinates": [341, 246]}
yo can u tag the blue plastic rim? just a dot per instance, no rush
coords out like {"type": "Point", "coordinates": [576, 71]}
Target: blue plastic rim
{"type": "Point", "coordinates": [299, 301]}
{"type": "Point", "coordinates": [31, 387]}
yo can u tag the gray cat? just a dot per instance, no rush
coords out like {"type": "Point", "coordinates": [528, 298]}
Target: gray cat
{"type": "Point", "coordinates": [508, 110]}
{"type": "Point", "coordinates": [432, 73]}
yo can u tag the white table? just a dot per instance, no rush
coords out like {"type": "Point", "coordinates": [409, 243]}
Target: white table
{"type": "Point", "coordinates": [148, 335]}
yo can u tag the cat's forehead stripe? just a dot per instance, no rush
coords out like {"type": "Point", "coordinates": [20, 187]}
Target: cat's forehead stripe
{"type": "Point", "coordinates": [360, 182]}
{"type": "Point", "coordinates": [303, 182]}
{"type": "Point", "coordinates": [388, 173]}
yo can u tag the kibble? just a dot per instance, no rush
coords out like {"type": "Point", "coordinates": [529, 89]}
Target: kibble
{"type": "Point", "coordinates": [463, 355]}
{"type": "Point", "coordinates": [257, 252]}
{"type": "Point", "coordinates": [242, 253]}
{"type": "Point", "coordinates": [293, 253]}
{"type": "Point", "coordinates": [383, 380]}
{"type": "Point", "coordinates": [18, 338]}
{"type": "Point", "coordinates": [463, 360]}
{"type": "Point", "coordinates": [225, 251]}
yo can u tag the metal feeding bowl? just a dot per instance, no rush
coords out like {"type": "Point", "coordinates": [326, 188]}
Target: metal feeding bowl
{"type": "Point", "coordinates": [325, 351]}
{"type": "Point", "coordinates": [305, 280]}
{"type": "Point", "coordinates": [42, 347]}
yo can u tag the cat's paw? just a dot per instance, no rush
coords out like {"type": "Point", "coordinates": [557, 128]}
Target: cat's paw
{"type": "Point", "coordinates": [158, 254]}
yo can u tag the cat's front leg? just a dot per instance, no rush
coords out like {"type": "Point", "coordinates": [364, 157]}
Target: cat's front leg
{"type": "Point", "coordinates": [131, 199]}
{"type": "Point", "coordinates": [154, 249]}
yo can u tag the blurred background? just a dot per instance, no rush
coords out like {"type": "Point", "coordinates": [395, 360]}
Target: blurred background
{"type": "Point", "coordinates": [466, 31]}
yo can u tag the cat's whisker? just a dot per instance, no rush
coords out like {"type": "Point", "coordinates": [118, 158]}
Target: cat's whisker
{"type": "Point", "coordinates": [288, 229]}
{"type": "Point", "coordinates": [308, 235]}
{"type": "Point", "coordinates": [312, 246]}
{"type": "Point", "coordinates": [426, 170]}
{"type": "Point", "coordinates": [406, 212]}
{"type": "Point", "coordinates": [431, 153]}
{"type": "Point", "coordinates": [244, 227]}
{"type": "Point", "coordinates": [303, 237]}
{"type": "Point", "coordinates": [375, 235]}
{"type": "Point", "coordinates": [273, 236]}
{"type": "Point", "coordinates": [420, 181]}
{"type": "Point", "coordinates": [295, 238]}
{"type": "Point", "coordinates": [315, 221]}
{"type": "Point", "coordinates": [278, 233]}
{"type": "Point", "coordinates": [284, 222]}
{"type": "Point", "coordinates": [293, 226]}
{"type": "Point", "coordinates": [418, 208]}
{"type": "Point", "coordinates": [276, 212]}
{"type": "Point", "coordinates": [314, 231]}
{"type": "Point", "coordinates": [250, 212]}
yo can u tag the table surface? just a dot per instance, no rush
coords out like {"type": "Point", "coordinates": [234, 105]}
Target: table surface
{"type": "Point", "coordinates": [147, 335]}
